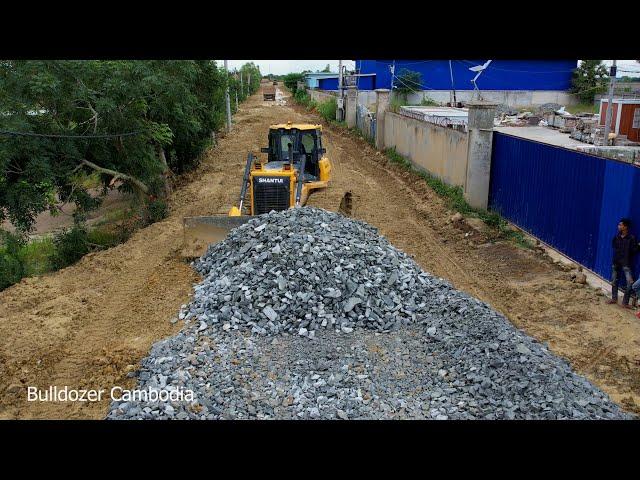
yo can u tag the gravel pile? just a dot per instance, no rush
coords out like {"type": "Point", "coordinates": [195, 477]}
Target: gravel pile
{"type": "Point", "coordinates": [308, 314]}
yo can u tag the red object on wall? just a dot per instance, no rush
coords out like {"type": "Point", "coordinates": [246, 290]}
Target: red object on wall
{"type": "Point", "coordinates": [625, 119]}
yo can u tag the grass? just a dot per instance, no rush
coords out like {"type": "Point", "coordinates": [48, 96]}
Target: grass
{"type": "Point", "coordinates": [428, 102]}
{"type": "Point", "coordinates": [395, 103]}
{"type": "Point", "coordinates": [328, 109]}
{"type": "Point", "coordinates": [19, 259]}
{"type": "Point", "coordinates": [36, 255]}
{"type": "Point", "coordinates": [583, 107]}
{"type": "Point", "coordinates": [454, 198]}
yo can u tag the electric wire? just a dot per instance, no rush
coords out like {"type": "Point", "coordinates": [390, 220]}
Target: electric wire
{"type": "Point", "coordinates": [45, 135]}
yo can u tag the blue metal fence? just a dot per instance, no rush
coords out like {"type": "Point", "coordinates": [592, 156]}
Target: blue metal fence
{"type": "Point", "coordinates": [570, 200]}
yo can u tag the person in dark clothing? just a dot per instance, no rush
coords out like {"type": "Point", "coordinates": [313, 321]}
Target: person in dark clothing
{"type": "Point", "coordinates": [624, 246]}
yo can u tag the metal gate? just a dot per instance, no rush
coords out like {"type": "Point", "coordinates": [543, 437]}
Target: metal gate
{"type": "Point", "coordinates": [568, 199]}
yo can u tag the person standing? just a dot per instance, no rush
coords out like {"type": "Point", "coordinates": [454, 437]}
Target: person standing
{"type": "Point", "coordinates": [624, 246]}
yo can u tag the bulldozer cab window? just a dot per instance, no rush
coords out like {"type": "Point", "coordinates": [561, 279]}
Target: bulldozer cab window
{"type": "Point", "coordinates": [285, 141]}
{"type": "Point", "coordinates": [307, 144]}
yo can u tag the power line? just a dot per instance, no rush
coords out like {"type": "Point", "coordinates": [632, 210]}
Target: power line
{"type": "Point", "coordinates": [414, 83]}
{"type": "Point", "coordinates": [45, 135]}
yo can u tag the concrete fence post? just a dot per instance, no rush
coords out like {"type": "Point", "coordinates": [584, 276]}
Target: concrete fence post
{"type": "Point", "coordinates": [352, 104]}
{"type": "Point", "coordinates": [382, 105]}
{"type": "Point", "coordinates": [476, 191]}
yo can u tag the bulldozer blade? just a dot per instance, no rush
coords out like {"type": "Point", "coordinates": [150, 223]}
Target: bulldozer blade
{"type": "Point", "coordinates": [200, 232]}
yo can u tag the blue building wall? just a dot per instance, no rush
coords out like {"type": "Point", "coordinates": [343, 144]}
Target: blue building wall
{"type": "Point", "coordinates": [364, 83]}
{"type": "Point", "coordinates": [328, 84]}
{"type": "Point", "coordinates": [570, 200]}
{"type": "Point", "coordinates": [312, 79]}
{"type": "Point", "coordinates": [500, 75]}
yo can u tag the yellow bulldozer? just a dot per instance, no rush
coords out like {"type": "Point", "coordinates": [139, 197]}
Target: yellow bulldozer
{"type": "Point", "coordinates": [296, 166]}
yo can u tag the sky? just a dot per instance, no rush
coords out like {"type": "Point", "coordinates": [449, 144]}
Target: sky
{"type": "Point", "coordinates": [282, 67]}
{"type": "Point", "coordinates": [626, 68]}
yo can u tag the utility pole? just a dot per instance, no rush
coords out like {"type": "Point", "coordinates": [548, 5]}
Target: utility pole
{"type": "Point", "coordinates": [392, 69]}
{"type": "Point", "coordinates": [249, 85]}
{"type": "Point", "coordinates": [612, 85]}
{"type": "Point", "coordinates": [453, 89]}
{"type": "Point", "coordinates": [340, 111]}
{"type": "Point", "coordinates": [241, 86]}
{"type": "Point", "coordinates": [227, 99]}
{"type": "Point", "coordinates": [236, 100]}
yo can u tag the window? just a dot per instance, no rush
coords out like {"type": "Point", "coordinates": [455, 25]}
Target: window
{"type": "Point", "coordinates": [285, 140]}
{"type": "Point", "coordinates": [636, 118]}
{"type": "Point", "coordinates": [307, 142]}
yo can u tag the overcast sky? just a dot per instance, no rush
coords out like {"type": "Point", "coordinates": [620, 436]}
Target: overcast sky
{"type": "Point", "coordinates": [282, 67]}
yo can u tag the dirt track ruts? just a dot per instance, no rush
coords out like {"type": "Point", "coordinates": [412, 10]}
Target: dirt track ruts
{"type": "Point", "coordinates": [86, 326]}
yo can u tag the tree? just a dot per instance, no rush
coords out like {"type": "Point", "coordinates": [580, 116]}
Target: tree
{"type": "Point", "coordinates": [327, 69]}
{"type": "Point", "coordinates": [407, 82]}
{"type": "Point", "coordinates": [151, 118]}
{"type": "Point", "coordinates": [589, 79]}
{"type": "Point", "coordinates": [291, 81]}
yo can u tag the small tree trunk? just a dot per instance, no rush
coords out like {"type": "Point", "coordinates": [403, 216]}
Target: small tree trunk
{"type": "Point", "coordinates": [134, 181]}
{"type": "Point", "coordinates": [166, 171]}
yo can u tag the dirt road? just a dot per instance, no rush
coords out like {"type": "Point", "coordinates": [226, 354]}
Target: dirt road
{"type": "Point", "coordinates": [86, 326]}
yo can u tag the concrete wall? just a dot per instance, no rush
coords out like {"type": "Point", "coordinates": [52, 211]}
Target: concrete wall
{"type": "Point", "coordinates": [512, 98]}
{"type": "Point", "coordinates": [367, 98]}
{"type": "Point", "coordinates": [437, 150]}
{"type": "Point", "coordinates": [322, 96]}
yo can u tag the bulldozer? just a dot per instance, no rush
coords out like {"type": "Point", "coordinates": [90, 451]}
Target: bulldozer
{"type": "Point", "coordinates": [295, 167]}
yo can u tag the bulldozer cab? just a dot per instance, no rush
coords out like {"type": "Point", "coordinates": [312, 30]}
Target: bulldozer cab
{"type": "Point", "coordinates": [296, 166]}
{"type": "Point", "coordinates": [288, 144]}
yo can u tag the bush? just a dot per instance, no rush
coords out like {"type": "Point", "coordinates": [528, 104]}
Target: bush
{"type": "Point", "coordinates": [291, 81]}
{"type": "Point", "coordinates": [11, 268]}
{"type": "Point", "coordinates": [428, 102]}
{"type": "Point", "coordinates": [156, 210]}
{"type": "Point", "coordinates": [36, 255]}
{"type": "Point", "coordinates": [70, 246]}
{"type": "Point", "coordinates": [328, 109]}
{"type": "Point", "coordinates": [302, 97]}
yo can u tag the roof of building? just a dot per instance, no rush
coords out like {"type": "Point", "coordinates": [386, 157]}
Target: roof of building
{"type": "Point", "coordinates": [321, 74]}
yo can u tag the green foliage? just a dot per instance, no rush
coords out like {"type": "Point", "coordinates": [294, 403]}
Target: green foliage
{"type": "Point", "coordinates": [11, 268]}
{"type": "Point", "coordinates": [171, 104]}
{"type": "Point", "coordinates": [627, 79]}
{"type": "Point", "coordinates": [428, 102]}
{"type": "Point", "coordinates": [589, 79]}
{"type": "Point", "coordinates": [407, 82]}
{"type": "Point", "coordinates": [455, 200]}
{"type": "Point", "coordinates": [589, 107]}
{"type": "Point", "coordinates": [302, 97]}
{"type": "Point", "coordinates": [105, 237]}
{"type": "Point", "coordinates": [156, 210]}
{"type": "Point", "coordinates": [70, 246]}
{"type": "Point", "coordinates": [291, 81]}
{"type": "Point", "coordinates": [395, 103]}
{"type": "Point", "coordinates": [244, 83]}
{"type": "Point", "coordinates": [35, 256]}
{"type": "Point", "coordinates": [328, 109]}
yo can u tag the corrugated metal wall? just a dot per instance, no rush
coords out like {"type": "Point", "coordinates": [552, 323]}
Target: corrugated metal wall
{"type": "Point", "coordinates": [568, 199]}
{"type": "Point", "coordinates": [364, 83]}
{"type": "Point", "coordinates": [500, 75]}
